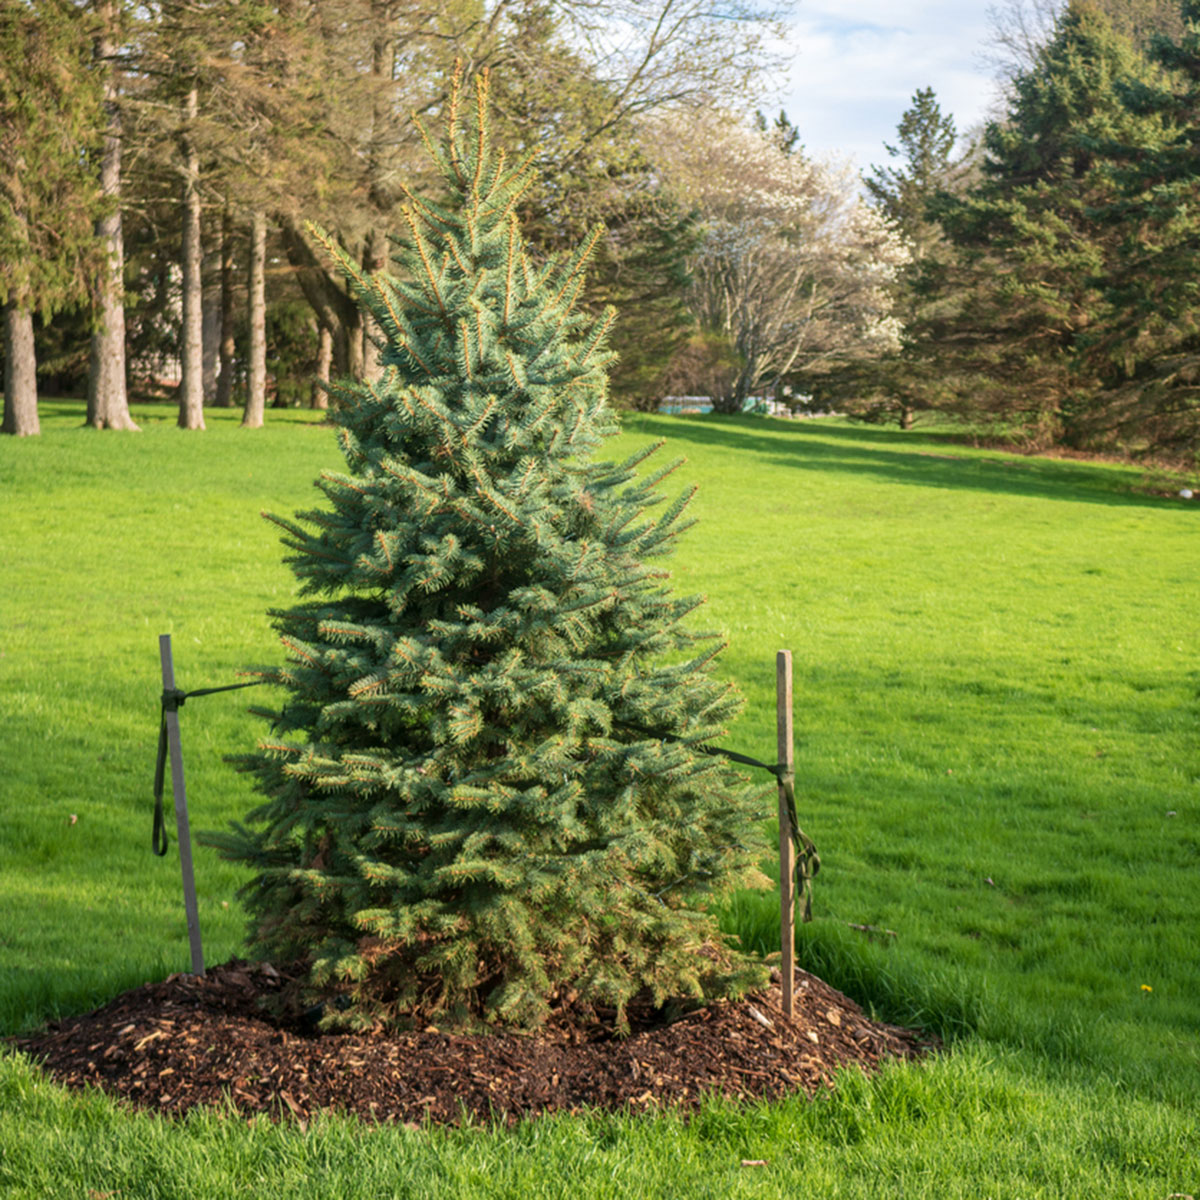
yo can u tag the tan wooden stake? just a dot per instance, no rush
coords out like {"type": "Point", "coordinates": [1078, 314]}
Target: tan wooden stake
{"type": "Point", "coordinates": [182, 832]}
{"type": "Point", "coordinates": [787, 847]}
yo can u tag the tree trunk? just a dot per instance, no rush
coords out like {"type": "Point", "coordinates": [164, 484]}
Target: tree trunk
{"type": "Point", "coordinates": [319, 397]}
{"type": "Point", "coordinates": [191, 384]}
{"type": "Point", "coordinates": [107, 394]}
{"type": "Point", "coordinates": [906, 417]}
{"type": "Point", "coordinates": [210, 326]}
{"type": "Point", "coordinates": [20, 373]}
{"type": "Point", "coordinates": [334, 308]}
{"type": "Point", "coordinates": [256, 387]}
{"type": "Point", "coordinates": [383, 64]}
{"type": "Point", "coordinates": [374, 259]}
{"type": "Point", "coordinates": [226, 350]}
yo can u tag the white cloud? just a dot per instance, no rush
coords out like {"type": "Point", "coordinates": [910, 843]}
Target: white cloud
{"type": "Point", "coordinates": [854, 66]}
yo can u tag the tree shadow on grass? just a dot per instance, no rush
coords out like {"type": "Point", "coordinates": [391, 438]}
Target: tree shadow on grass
{"type": "Point", "coordinates": [915, 459]}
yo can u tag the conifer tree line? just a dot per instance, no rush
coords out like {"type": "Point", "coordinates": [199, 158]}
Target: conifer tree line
{"type": "Point", "coordinates": [1050, 295]}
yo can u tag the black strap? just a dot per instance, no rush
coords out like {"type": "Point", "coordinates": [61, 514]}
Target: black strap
{"type": "Point", "coordinates": [172, 701]}
{"type": "Point", "coordinates": [808, 861]}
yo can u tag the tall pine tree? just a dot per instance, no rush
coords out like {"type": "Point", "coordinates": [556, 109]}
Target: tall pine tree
{"type": "Point", "coordinates": [1150, 346]}
{"type": "Point", "coordinates": [897, 385]}
{"type": "Point", "coordinates": [485, 791]}
{"type": "Point", "coordinates": [1031, 250]}
{"type": "Point", "coordinates": [928, 166]}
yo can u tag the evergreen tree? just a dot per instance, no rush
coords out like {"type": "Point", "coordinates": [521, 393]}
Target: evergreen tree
{"type": "Point", "coordinates": [486, 791]}
{"type": "Point", "coordinates": [641, 269]}
{"type": "Point", "coordinates": [1150, 347]}
{"type": "Point", "coordinates": [1021, 29]}
{"type": "Point", "coordinates": [896, 386]}
{"type": "Point", "coordinates": [781, 131]}
{"type": "Point", "coordinates": [926, 138]}
{"type": "Point", "coordinates": [107, 382]}
{"type": "Point", "coordinates": [49, 199]}
{"type": "Point", "coordinates": [1031, 254]}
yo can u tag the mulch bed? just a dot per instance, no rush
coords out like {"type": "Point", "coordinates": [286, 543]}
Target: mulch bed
{"type": "Point", "coordinates": [191, 1041]}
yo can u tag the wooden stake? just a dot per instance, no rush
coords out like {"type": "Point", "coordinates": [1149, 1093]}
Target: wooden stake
{"type": "Point", "coordinates": [787, 848]}
{"type": "Point", "coordinates": [182, 832]}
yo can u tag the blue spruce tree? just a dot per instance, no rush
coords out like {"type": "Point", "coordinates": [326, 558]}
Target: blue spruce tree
{"type": "Point", "coordinates": [485, 792]}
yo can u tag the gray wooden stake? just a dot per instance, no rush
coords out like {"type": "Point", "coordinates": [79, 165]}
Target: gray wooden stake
{"type": "Point", "coordinates": [182, 832]}
{"type": "Point", "coordinates": [787, 848]}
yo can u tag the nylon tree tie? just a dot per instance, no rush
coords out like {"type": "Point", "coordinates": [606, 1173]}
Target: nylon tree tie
{"type": "Point", "coordinates": [172, 701]}
{"type": "Point", "coordinates": [808, 861]}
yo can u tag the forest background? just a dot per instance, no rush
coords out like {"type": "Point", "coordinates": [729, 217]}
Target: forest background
{"type": "Point", "coordinates": [161, 167]}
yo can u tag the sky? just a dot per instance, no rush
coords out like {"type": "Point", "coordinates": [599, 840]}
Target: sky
{"type": "Point", "coordinates": [853, 66]}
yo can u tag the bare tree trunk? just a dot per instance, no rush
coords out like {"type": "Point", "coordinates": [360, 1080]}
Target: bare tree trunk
{"type": "Point", "coordinates": [356, 363]}
{"type": "Point", "coordinates": [319, 397]}
{"type": "Point", "coordinates": [334, 308]}
{"type": "Point", "coordinates": [256, 387]}
{"type": "Point", "coordinates": [20, 373]}
{"type": "Point", "coordinates": [191, 384]}
{"type": "Point", "coordinates": [107, 394]}
{"type": "Point", "coordinates": [375, 259]}
{"type": "Point", "coordinates": [383, 63]}
{"type": "Point", "coordinates": [210, 324]}
{"type": "Point", "coordinates": [226, 350]}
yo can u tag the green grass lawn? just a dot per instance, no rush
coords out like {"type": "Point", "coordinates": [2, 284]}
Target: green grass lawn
{"type": "Point", "coordinates": [996, 716]}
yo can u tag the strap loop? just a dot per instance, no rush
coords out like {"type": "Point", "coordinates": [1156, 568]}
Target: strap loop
{"type": "Point", "coordinates": [808, 861]}
{"type": "Point", "coordinates": [173, 700]}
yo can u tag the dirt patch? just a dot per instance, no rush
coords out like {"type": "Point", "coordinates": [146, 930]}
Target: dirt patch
{"type": "Point", "coordinates": [189, 1041]}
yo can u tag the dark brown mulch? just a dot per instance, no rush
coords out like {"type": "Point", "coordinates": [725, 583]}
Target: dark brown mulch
{"type": "Point", "coordinates": [190, 1041]}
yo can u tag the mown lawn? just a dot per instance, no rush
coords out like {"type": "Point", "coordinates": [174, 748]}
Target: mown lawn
{"type": "Point", "coordinates": [996, 683]}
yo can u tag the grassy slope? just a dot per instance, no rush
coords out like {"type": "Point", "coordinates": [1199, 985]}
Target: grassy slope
{"type": "Point", "coordinates": [996, 711]}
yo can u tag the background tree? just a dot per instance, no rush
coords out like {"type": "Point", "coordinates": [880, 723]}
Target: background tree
{"type": "Point", "coordinates": [780, 131]}
{"type": "Point", "coordinates": [49, 198]}
{"type": "Point", "coordinates": [903, 381]}
{"type": "Point", "coordinates": [1149, 349]}
{"type": "Point", "coordinates": [587, 173]}
{"type": "Point", "coordinates": [1031, 251]}
{"type": "Point", "coordinates": [1021, 29]}
{"type": "Point", "coordinates": [484, 792]}
{"type": "Point", "coordinates": [793, 269]}
{"type": "Point", "coordinates": [301, 112]}
{"type": "Point", "coordinates": [107, 382]}
{"type": "Point", "coordinates": [927, 140]}
{"type": "Point", "coordinates": [223, 71]}
{"type": "Point", "coordinates": [572, 78]}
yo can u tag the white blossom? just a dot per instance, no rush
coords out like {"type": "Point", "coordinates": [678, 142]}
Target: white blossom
{"type": "Point", "coordinates": [794, 267]}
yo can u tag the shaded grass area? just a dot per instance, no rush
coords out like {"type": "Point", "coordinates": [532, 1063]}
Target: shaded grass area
{"type": "Point", "coordinates": [996, 703]}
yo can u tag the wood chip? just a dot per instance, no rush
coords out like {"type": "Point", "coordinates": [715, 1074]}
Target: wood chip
{"type": "Point", "coordinates": [413, 1077]}
{"type": "Point", "coordinates": [765, 1022]}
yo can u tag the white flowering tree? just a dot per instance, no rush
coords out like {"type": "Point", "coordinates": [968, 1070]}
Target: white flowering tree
{"type": "Point", "coordinates": [794, 270]}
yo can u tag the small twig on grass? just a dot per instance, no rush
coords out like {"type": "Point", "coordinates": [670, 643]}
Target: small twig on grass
{"type": "Point", "coordinates": [873, 930]}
